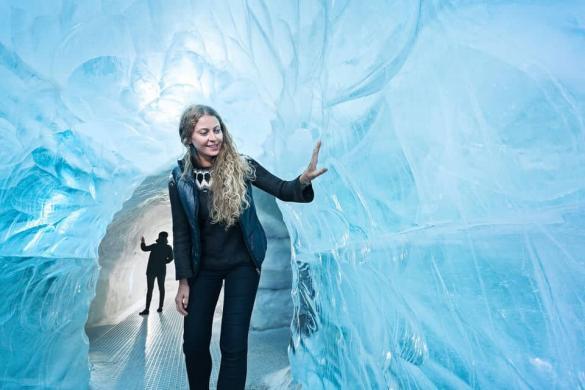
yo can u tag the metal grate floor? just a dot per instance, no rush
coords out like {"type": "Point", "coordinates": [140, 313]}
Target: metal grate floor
{"type": "Point", "coordinates": [146, 352]}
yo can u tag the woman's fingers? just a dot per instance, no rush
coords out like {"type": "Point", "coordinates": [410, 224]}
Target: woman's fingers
{"type": "Point", "coordinates": [320, 172]}
{"type": "Point", "coordinates": [312, 171]}
{"type": "Point", "coordinates": [315, 174]}
{"type": "Point", "coordinates": [182, 300]}
{"type": "Point", "coordinates": [315, 156]}
{"type": "Point", "coordinates": [181, 307]}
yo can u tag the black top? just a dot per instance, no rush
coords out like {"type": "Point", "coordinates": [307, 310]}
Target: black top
{"type": "Point", "coordinates": [183, 236]}
{"type": "Point", "coordinates": [219, 248]}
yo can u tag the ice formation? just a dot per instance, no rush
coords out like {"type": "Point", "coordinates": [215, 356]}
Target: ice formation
{"type": "Point", "coordinates": [445, 247]}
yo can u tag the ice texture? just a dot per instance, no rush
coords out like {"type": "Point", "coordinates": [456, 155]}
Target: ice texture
{"type": "Point", "coordinates": [445, 247]}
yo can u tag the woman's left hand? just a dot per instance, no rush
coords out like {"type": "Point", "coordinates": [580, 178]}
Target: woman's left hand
{"type": "Point", "coordinates": [311, 172]}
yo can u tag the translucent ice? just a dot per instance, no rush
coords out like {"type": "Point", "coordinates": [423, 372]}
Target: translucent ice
{"type": "Point", "coordinates": [445, 247]}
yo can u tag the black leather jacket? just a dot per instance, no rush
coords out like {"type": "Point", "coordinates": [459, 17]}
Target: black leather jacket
{"type": "Point", "coordinates": [184, 200]}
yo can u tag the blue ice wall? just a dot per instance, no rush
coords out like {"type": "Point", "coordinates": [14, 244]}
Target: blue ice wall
{"type": "Point", "coordinates": [445, 247]}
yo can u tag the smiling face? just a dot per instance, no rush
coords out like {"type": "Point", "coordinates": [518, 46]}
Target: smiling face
{"type": "Point", "coordinates": [207, 138]}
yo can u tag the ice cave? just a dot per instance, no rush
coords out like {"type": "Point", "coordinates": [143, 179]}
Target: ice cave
{"type": "Point", "coordinates": [445, 246]}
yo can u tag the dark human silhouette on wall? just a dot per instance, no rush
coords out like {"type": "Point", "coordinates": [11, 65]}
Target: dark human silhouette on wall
{"type": "Point", "coordinates": [161, 254]}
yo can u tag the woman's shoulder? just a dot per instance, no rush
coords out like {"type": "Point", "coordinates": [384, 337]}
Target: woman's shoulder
{"type": "Point", "coordinates": [249, 159]}
{"type": "Point", "coordinates": [176, 171]}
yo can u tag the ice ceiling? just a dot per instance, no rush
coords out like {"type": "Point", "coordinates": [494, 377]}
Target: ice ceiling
{"type": "Point", "coordinates": [446, 245]}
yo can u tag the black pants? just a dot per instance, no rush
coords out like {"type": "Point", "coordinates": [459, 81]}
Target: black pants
{"type": "Point", "coordinates": [241, 284]}
{"type": "Point", "coordinates": [160, 278]}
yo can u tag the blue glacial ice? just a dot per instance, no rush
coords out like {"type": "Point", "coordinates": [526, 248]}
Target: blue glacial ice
{"type": "Point", "coordinates": [446, 245]}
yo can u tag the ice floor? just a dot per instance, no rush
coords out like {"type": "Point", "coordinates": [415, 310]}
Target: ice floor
{"type": "Point", "coordinates": [145, 353]}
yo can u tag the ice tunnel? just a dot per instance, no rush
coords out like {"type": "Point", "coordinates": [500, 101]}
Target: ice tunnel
{"type": "Point", "coordinates": [445, 247]}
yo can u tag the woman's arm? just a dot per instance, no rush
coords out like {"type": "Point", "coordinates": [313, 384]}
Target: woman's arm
{"type": "Point", "coordinates": [286, 190]}
{"type": "Point", "coordinates": [181, 234]}
{"type": "Point", "coordinates": [297, 190]}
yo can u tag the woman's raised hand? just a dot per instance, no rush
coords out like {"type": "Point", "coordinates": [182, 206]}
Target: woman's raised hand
{"type": "Point", "coordinates": [311, 172]}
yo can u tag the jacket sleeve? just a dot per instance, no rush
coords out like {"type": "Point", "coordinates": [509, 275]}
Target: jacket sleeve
{"type": "Point", "coordinates": [145, 248]}
{"type": "Point", "coordinates": [181, 234]}
{"type": "Point", "coordinates": [286, 190]}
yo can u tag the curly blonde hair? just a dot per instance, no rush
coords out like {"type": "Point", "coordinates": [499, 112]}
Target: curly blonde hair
{"type": "Point", "coordinates": [230, 170]}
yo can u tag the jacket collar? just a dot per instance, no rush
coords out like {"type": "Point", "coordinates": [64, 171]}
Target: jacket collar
{"type": "Point", "coordinates": [188, 176]}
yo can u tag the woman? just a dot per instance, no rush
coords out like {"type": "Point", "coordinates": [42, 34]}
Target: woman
{"type": "Point", "coordinates": [217, 236]}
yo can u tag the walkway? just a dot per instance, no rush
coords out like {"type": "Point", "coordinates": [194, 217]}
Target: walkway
{"type": "Point", "coordinates": [145, 353]}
